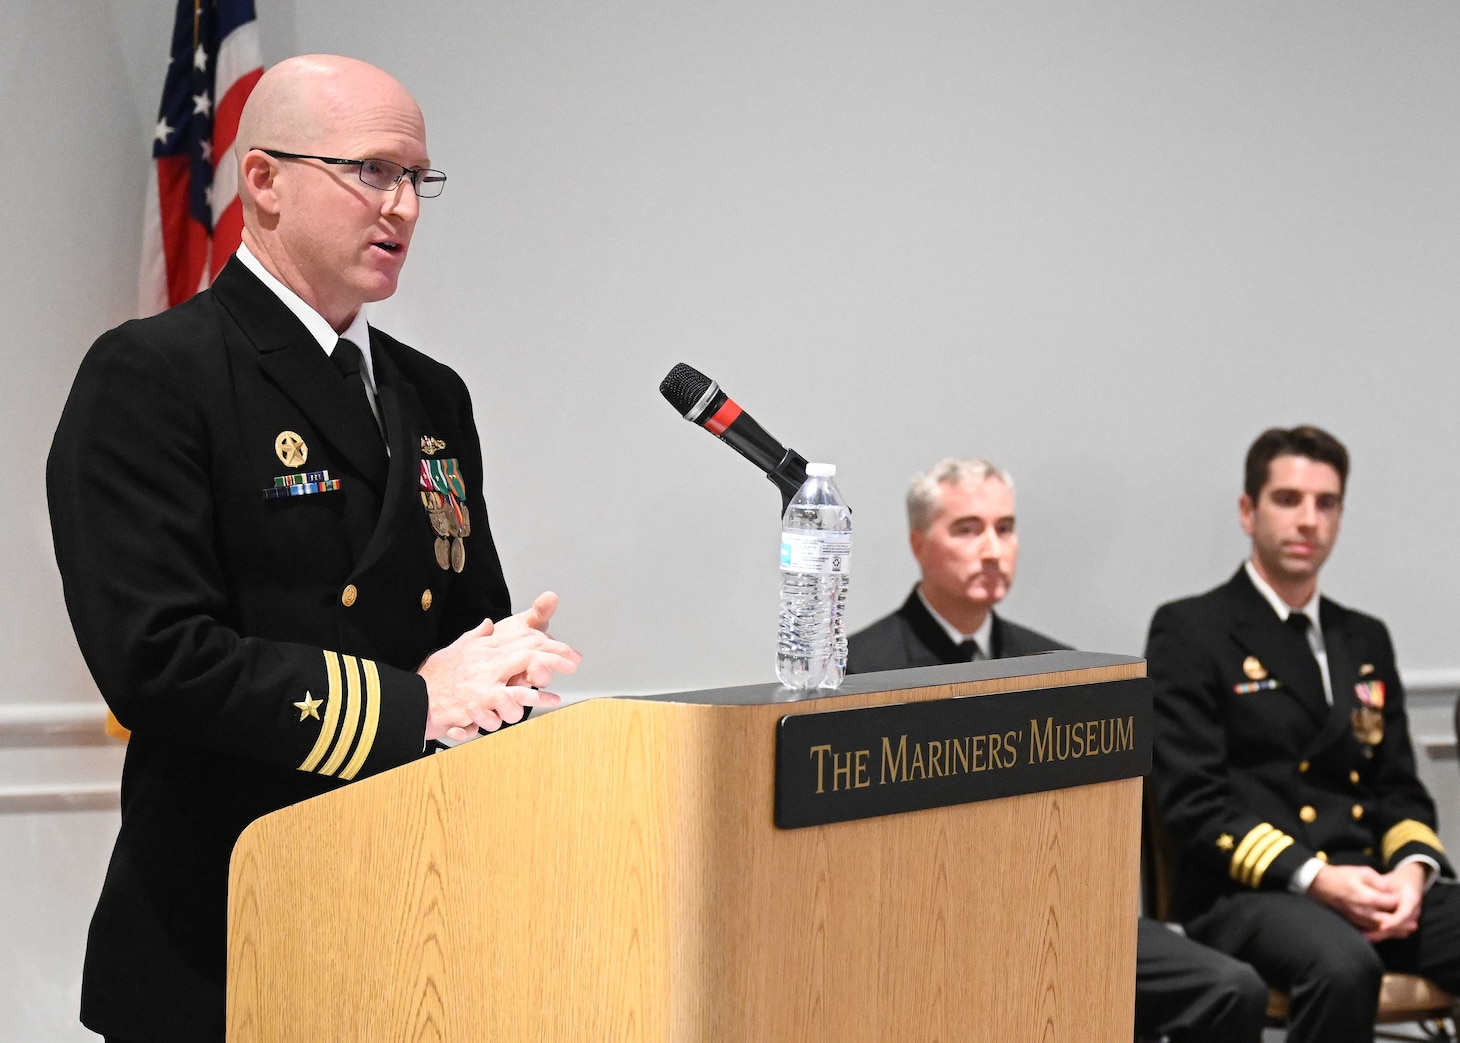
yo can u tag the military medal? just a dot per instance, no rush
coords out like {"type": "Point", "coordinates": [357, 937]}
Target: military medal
{"type": "Point", "coordinates": [443, 495]}
{"type": "Point", "coordinates": [436, 512]}
{"type": "Point", "coordinates": [431, 446]}
{"type": "Point", "coordinates": [290, 448]}
{"type": "Point", "coordinates": [1253, 668]}
{"type": "Point", "coordinates": [1368, 719]}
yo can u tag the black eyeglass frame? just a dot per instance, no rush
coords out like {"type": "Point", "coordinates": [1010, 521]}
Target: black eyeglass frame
{"type": "Point", "coordinates": [428, 176]}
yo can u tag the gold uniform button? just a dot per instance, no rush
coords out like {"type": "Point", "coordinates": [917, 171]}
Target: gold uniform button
{"type": "Point", "coordinates": [426, 600]}
{"type": "Point", "coordinates": [1307, 813]}
{"type": "Point", "coordinates": [1358, 811]}
{"type": "Point", "coordinates": [1353, 777]}
{"type": "Point", "coordinates": [348, 595]}
{"type": "Point", "coordinates": [1303, 767]}
{"type": "Point", "coordinates": [1322, 856]}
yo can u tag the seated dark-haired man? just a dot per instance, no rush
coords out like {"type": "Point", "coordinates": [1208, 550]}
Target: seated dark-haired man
{"type": "Point", "coordinates": [1283, 765]}
{"type": "Point", "coordinates": [961, 527]}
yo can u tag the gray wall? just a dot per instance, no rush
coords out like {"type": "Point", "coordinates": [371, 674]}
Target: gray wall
{"type": "Point", "coordinates": [1104, 244]}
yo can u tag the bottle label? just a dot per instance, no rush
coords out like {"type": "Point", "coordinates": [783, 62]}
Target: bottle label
{"type": "Point", "coordinates": [818, 552]}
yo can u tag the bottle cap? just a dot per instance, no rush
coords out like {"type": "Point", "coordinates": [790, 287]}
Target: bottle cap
{"type": "Point", "coordinates": [821, 470]}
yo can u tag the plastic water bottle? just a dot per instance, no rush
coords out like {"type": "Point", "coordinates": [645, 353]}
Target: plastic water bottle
{"type": "Point", "coordinates": [816, 562]}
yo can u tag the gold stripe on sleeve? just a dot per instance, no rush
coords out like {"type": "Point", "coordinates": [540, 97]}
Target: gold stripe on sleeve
{"type": "Point", "coordinates": [1239, 857]}
{"type": "Point", "coordinates": [351, 725]}
{"type": "Point", "coordinates": [331, 713]}
{"type": "Point", "coordinates": [1408, 832]}
{"type": "Point", "coordinates": [1260, 867]}
{"type": "Point", "coordinates": [1256, 855]}
{"type": "Point", "coordinates": [372, 719]}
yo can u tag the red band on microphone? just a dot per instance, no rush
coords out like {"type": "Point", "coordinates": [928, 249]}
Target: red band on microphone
{"type": "Point", "coordinates": [723, 418]}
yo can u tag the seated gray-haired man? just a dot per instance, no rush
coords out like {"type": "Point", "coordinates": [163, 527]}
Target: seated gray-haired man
{"type": "Point", "coordinates": [960, 516]}
{"type": "Point", "coordinates": [961, 528]}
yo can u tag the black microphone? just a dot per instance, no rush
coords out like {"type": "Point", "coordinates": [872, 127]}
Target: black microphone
{"type": "Point", "coordinates": [700, 400]}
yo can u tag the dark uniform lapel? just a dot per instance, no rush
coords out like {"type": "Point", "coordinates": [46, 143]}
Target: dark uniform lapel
{"type": "Point", "coordinates": [997, 637]}
{"type": "Point", "coordinates": [1285, 655]}
{"type": "Point", "coordinates": [291, 358]}
{"type": "Point", "coordinates": [1343, 671]}
{"type": "Point", "coordinates": [929, 633]}
{"type": "Point", "coordinates": [400, 407]}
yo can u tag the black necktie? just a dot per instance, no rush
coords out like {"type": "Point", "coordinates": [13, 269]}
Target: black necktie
{"type": "Point", "coordinates": [1300, 624]}
{"type": "Point", "coordinates": [968, 650]}
{"type": "Point", "coordinates": [346, 358]}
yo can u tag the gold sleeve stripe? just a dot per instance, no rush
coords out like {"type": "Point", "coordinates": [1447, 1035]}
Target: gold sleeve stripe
{"type": "Point", "coordinates": [1408, 832]}
{"type": "Point", "coordinates": [351, 725]}
{"type": "Point", "coordinates": [1256, 855]}
{"type": "Point", "coordinates": [1244, 849]}
{"type": "Point", "coordinates": [372, 720]}
{"type": "Point", "coordinates": [1260, 867]}
{"type": "Point", "coordinates": [1262, 844]}
{"type": "Point", "coordinates": [1244, 872]}
{"type": "Point", "coordinates": [331, 713]}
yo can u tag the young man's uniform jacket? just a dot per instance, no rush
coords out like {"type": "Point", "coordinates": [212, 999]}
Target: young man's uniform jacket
{"type": "Point", "coordinates": [261, 650]}
{"type": "Point", "coordinates": [912, 637]}
{"type": "Point", "coordinates": [1255, 772]}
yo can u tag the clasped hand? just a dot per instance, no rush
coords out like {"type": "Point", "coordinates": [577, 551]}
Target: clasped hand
{"type": "Point", "coordinates": [486, 677]}
{"type": "Point", "coordinates": [1381, 905]}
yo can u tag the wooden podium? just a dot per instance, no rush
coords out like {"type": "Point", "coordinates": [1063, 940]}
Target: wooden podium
{"type": "Point", "coordinates": [613, 871]}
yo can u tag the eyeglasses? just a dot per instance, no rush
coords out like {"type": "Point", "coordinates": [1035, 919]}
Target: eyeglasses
{"type": "Point", "coordinates": [380, 173]}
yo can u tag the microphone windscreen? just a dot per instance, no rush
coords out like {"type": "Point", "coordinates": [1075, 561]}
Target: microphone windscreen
{"type": "Point", "coordinates": [683, 386]}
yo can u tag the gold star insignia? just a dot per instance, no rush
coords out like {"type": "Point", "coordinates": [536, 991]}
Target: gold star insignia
{"type": "Point", "coordinates": [309, 707]}
{"type": "Point", "coordinates": [1225, 842]}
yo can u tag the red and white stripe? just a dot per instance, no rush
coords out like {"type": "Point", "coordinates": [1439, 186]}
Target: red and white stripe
{"type": "Point", "coordinates": [179, 258]}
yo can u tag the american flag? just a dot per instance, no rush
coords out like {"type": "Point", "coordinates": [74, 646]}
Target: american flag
{"type": "Point", "coordinates": [193, 216]}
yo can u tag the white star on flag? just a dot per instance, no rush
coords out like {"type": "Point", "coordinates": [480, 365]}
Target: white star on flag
{"type": "Point", "coordinates": [163, 131]}
{"type": "Point", "coordinates": [200, 59]}
{"type": "Point", "coordinates": [202, 106]}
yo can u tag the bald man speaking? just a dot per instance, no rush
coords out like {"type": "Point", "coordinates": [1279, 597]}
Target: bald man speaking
{"type": "Point", "coordinates": [269, 524]}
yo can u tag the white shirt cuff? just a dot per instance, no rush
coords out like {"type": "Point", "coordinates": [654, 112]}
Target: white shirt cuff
{"type": "Point", "coordinates": [1303, 878]}
{"type": "Point", "coordinates": [1431, 876]}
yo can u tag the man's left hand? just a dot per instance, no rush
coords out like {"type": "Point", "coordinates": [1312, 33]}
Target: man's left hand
{"type": "Point", "coordinates": [1407, 885]}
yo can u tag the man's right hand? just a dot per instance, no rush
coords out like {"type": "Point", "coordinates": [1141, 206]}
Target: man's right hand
{"type": "Point", "coordinates": [488, 675]}
{"type": "Point", "coordinates": [1358, 893]}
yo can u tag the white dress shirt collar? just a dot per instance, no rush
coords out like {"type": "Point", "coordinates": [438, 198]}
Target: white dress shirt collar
{"type": "Point", "coordinates": [318, 327]}
{"type": "Point", "coordinates": [1281, 607]}
{"type": "Point", "coordinates": [984, 635]}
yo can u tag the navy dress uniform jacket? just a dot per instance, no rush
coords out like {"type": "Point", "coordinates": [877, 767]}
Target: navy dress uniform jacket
{"type": "Point", "coordinates": [912, 637]}
{"type": "Point", "coordinates": [261, 651]}
{"type": "Point", "coordinates": [1254, 772]}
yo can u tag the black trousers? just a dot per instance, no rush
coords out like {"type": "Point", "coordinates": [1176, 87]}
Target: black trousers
{"type": "Point", "coordinates": [1193, 993]}
{"type": "Point", "coordinates": [1329, 971]}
